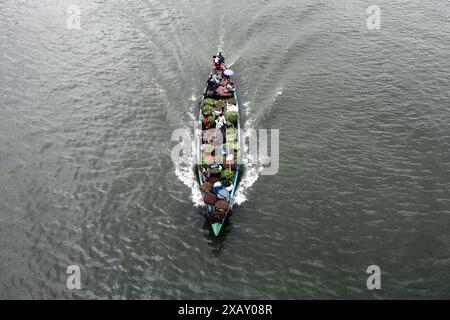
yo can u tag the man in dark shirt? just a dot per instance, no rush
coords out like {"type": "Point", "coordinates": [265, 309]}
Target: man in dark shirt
{"type": "Point", "coordinates": [221, 59]}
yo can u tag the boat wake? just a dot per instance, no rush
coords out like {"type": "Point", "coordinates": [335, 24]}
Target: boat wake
{"type": "Point", "coordinates": [252, 166]}
{"type": "Point", "coordinates": [165, 73]}
{"type": "Point", "coordinates": [185, 171]}
{"type": "Point", "coordinates": [251, 172]}
{"type": "Point", "coordinates": [220, 45]}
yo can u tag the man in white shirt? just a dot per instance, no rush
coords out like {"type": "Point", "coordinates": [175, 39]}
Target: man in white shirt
{"type": "Point", "coordinates": [220, 122]}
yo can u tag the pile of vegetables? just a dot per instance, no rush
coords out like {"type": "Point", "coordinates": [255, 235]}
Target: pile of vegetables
{"type": "Point", "coordinates": [231, 117]}
{"type": "Point", "coordinates": [231, 137]}
{"type": "Point", "coordinates": [220, 104]}
{"type": "Point", "coordinates": [227, 175]}
{"type": "Point", "coordinates": [211, 104]}
{"type": "Point", "coordinates": [207, 111]}
{"type": "Point", "coordinates": [211, 108]}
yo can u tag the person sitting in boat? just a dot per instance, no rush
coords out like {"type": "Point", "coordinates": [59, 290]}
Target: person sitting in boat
{"type": "Point", "coordinates": [206, 173]}
{"type": "Point", "coordinates": [223, 90]}
{"type": "Point", "coordinates": [231, 86]}
{"type": "Point", "coordinates": [205, 121]}
{"type": "Point", "coordinates": [225, 81]}
{"type": "Point", "coordinates": [210, 84]}
{"type": "Point", "coordinates": [213, 83]}
{"type": "Point", "coordinates": [221, 59]}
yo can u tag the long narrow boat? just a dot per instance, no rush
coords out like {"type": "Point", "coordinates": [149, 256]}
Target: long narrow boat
{"type": "Point", "coordinates": [218, 163]}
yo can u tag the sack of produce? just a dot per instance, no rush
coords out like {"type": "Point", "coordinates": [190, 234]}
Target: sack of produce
{"type": "Point", "coordinates": [223, 194]}
{"type": "Point", "coordinates": [216, 216]}
{"type": "Point", "coordinates": [206, 187]}
{"type": "Point", "coordinates": [214, 179]}
{"type": "Point", "coordinates": [232, 118]}
{"type": "Point", "coordinates": [222, 205]}
{"type": "Point", "coordinates": [232, 101]}
{"type": "Point", "coordinates": [210, 198]}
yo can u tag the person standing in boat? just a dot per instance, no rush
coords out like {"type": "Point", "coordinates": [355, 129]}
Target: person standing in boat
{"type": "Point", "coordinates": [220, 122]}
{"type": "Point", "coordinates": [216, 63]}
{"type": "Point", "coordinates": [221, 59]}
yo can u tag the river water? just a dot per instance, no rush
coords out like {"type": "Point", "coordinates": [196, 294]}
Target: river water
{"type": "Point", "coordinates": [86, 177]}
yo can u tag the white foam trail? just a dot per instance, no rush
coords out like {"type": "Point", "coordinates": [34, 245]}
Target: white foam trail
{"type": "Point", "coordinates": [249, 178]}
{"type": "Point", "coordinates": [185, 173]}
{"type": "Point", "coordinates": [252, 168]}
{"type": "Point", "coordinates": [253, 165]}
{"type": "Point", "coordinates": [220, 45]}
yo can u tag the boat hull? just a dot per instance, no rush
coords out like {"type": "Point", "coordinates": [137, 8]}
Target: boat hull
{"type": "Point", "coordinates": [217, 226]}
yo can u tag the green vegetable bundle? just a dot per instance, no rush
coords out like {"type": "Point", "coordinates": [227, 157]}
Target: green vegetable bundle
{"type": "Point", "coordinates": [211, 118]}
{"type": "Point", "coordinates": [219, 104]}
{"type": "Point", "coordinates": [210, 104]}
{"type": "Point", "coordinates": [207, 109]}
{"type": "Point", "coordinates": [231, 117]}
{"type": "Point", "coordinates": [231, 138]}
{"type": "Point", "coordinates": [227, 175]}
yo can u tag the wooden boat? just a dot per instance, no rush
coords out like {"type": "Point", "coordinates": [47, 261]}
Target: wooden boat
{"type": "Point", "coordinates": [218, 163]}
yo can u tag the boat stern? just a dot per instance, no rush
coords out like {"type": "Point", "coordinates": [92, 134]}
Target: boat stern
{"type": "Point", "coordinates": [216, 228]}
